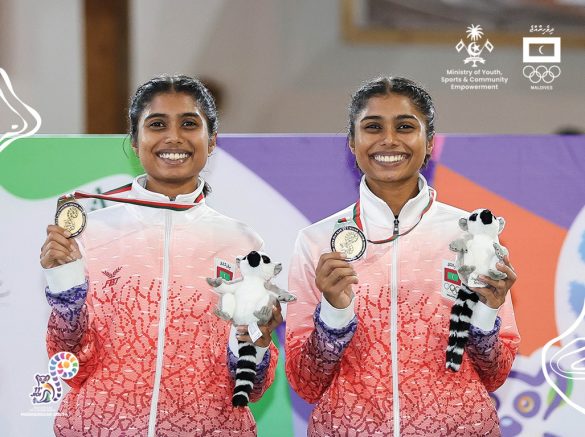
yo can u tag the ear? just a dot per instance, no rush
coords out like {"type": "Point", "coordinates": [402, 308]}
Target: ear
{"type": "Point", "coordinates": [463, 224]}
{"type": "Point", "coordinates": [351, 145]}
{"type": "Point", "coordinates": [430, 145]}
{"type": "Point", "coordinates": [502, 224]}
{"type": "Point", "coordinates": [212, 143]}
{"type": "Point", "coordinates": [135, 148]}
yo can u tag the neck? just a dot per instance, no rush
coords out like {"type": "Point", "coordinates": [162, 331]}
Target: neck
{"type": "Point", "coordinates": [395, 194]}
{"type": "Point", "coordinates": [171, 190]}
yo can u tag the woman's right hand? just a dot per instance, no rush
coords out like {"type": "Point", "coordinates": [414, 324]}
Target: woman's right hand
{"type": "Point", "coordinates": [58, 249]}
{"type": "Point", "coordinates": [333, 277]}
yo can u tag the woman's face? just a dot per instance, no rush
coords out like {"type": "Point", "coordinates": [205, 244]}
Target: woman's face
{"type": "Point", "coordinates": [390, 140]}
{"type": "Point", "coordinates": [173, 143]}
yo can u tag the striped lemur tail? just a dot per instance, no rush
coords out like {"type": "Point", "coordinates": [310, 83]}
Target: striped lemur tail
{"type": "Point", "coordinates": [245, 374]}
{"type": "Point", "coordinates": [459, 324]}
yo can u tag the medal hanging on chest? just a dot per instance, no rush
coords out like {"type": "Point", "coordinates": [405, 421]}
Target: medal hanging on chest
{"type": "Point", "coordinates": [72, 217]}
{"type": "Point", "coordinates": [349, 238]}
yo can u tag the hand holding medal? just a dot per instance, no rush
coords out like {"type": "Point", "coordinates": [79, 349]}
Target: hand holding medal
{"type": "Point", "coordinates": [59, 248]}
{"type": "Point", "coordinates": [334, 277]}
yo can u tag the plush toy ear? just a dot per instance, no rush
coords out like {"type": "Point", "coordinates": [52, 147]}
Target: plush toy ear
{"type": "Point", "coordinates": [463, 223]}
{"type": "Point", "coordinates": [502, 224]}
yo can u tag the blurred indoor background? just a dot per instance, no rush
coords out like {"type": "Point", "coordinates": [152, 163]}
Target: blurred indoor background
{"type": "Point", "coordinates": [284, 65]}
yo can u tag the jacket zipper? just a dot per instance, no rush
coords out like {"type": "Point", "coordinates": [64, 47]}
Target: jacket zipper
{"type": "Point", "coordinates": [161, 326]}
{"type": "Point", "coordinates": [394, 335]}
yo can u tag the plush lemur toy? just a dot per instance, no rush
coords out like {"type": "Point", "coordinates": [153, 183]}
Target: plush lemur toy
{"type": "Point", "coordinates": [477, 254]}
{"type": "Point", "coordinates": [248, 301]}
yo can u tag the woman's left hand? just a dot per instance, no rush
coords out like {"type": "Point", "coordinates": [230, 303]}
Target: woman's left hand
{"type": "Point", "coordinates": [495, 293]}
{"type": "Point", "coordinates": [264, 341]}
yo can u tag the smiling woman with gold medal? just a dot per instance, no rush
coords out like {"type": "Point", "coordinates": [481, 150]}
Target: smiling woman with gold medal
{"type": "Point", "coordinates": [129, 296]}
{"type": "Point", "coordinates": [367, 339]}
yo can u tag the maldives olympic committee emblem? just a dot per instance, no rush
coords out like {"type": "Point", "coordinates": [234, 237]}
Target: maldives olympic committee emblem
{"type": "Point", "coordinates": [541, 56]}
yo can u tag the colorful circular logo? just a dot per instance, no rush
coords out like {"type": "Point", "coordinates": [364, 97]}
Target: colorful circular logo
{"type": "Point", "coordinates": [64, 365]}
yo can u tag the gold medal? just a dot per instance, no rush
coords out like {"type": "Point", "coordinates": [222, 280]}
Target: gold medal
{"type": "Point", "coordinates": [349, 240]}
{"type": "Point", "coordinates": [70, 216]}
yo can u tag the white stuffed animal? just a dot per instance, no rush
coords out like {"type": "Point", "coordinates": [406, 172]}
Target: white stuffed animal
{"type": "Point", "coordinates": [477, 254]}
{"type": "Point", "coordinates": [479, 250]}
{"type": "Point", "coordinates": [249, 301]}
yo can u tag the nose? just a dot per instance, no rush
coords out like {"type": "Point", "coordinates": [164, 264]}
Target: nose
{"type": "Point", "coordinates": [390, 137]}
{"type": "Point", "coordinates": [174, 135]}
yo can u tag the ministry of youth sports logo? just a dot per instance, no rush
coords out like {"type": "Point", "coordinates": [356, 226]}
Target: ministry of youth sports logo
{"type": "Point", "coordinates": [475, 48]}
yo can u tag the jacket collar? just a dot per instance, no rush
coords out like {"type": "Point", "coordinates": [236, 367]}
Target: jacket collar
{"type": "Point", "coordinates": [378, 218]}
{"type": "Point", "coordinates": [140, 192]}
{"type": "Point", "coordinates": [155, 216]}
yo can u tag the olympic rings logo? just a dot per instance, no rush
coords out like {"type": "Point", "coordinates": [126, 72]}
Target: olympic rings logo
{"type": "Point", "coordinates": [449, 287]}
{"type": "Point", "coordinates": [541, 73]}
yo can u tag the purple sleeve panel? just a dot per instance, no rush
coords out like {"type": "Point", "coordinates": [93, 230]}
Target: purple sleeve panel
{"type": "Point", "coordinates": [68, 330]}
{"type": "Point", "coordinates": [332, 342]}
{"type": "Point", "coordinates": [67, 305]}
{"type": "Point", "coordinates": [491, 355]}
{"type": "Point", "coordinates": [483, 342]}
{"type": "Point", "coordinates": [320, 356]}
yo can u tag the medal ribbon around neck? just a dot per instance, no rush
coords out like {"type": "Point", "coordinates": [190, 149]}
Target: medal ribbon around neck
{"type": "Point", "coordinates": [358, 221]}
{"type": "Point", "coordinates": [108, 195]}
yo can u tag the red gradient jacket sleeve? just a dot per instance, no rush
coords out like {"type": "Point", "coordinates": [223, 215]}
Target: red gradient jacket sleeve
{"type": "Point", "coordinates": [313, 350]}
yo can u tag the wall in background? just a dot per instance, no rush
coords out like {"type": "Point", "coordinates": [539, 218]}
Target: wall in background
{"type": "Point", "coordinates": [283, 65]}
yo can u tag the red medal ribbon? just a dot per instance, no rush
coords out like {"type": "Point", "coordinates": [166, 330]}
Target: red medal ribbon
{"type": "Point", "coordinates": [358, 221]}
{"type": "Point", "coordinates": [124, 188]}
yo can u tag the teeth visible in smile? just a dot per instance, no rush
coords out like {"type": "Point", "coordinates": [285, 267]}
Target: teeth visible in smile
{"type": "Point", "coordinates": [174, 156]}
{"type": "Point", "coordinates": [389, 158]}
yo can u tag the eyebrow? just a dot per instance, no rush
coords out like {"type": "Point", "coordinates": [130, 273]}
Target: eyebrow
{"type": "Point", "coordinates": [162, 115]}
{"type": "Point", "coordinates": [398, 117]}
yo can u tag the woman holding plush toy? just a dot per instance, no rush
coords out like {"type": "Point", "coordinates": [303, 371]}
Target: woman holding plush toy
{"type": "Point", "coordinates": [130, 299]}
{"type": "Point", "coordinates": [367, 339]}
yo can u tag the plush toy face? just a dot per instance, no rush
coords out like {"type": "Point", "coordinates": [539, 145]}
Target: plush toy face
{"type": "Point", "coordinates": [482, 222]}
{"type": "Point", "coordinates": [258, 264]}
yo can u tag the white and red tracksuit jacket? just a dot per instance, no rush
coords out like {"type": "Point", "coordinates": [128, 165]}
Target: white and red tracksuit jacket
{"type": "Point", "coordinates": [378, 367]}
{"type": "Point", "coordinates": [153, 356]}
